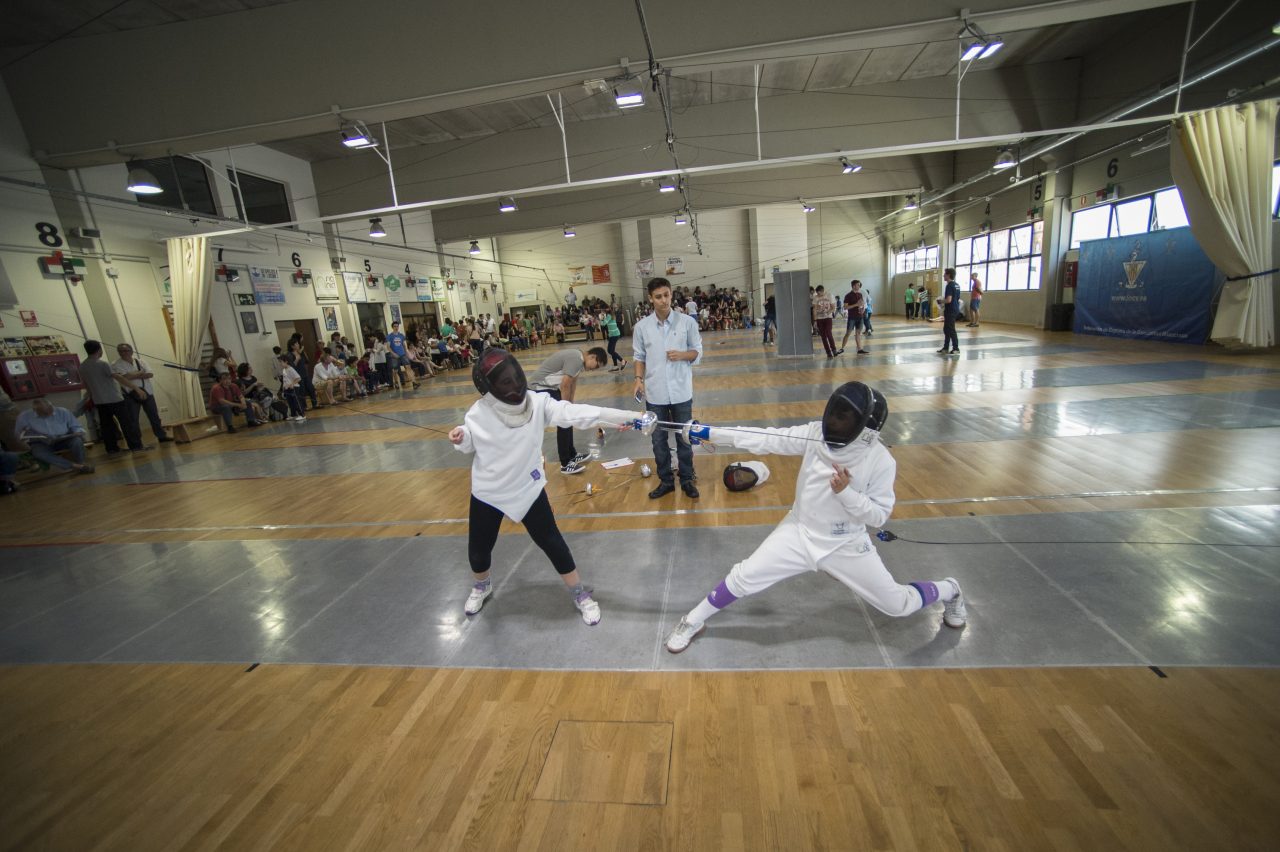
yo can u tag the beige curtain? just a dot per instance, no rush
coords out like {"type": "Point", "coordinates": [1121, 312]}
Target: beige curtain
{"type": "Point", "coordinates": [1221, 161]}
{"type": "Point", "coordinates": [191, 279]}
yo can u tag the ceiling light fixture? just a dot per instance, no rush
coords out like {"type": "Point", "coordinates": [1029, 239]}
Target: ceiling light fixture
{"type": "Point", "coordinates": [628, 96]}
{"type": "Point", "coordinates": [475, 248]}
{"type": "Point", "coordinates": [808, 208]}
{"type": "Point", "coordinates": [356, 135]}
{"type": "Point", "coordinates": [667, 185]}
{"type": "Point", "coordinates": [681, 219]}
{"type": "Point", "coordinates": [507, 205]}
{"type": "Point", "coordinates": [569, 232]}
{"type": "Point", "coordinates": [376, 230]}
{"type": "Point", "coordinates": [1006, 159]}
{"type": "Point", "coordinates": [848, 168]}
{"type": "Point", "coordinates": [142, 182]}
{"type": "Point", "coordinates": [984, 47]}
{"type": "Point", "coordinates": [911, 203]}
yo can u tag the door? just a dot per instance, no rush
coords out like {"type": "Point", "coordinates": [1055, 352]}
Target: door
{"type": "Point", "coordinates": [309, 329]}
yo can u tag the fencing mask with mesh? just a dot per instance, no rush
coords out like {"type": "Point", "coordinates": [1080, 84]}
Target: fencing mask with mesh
{"type": "Point", "coordinates": [879, 411]}
{"type": "Point", "coordinates": [743, 476]}
{"type": "Point", "coordinates": [499, 373]}
{"type": "Point", "coordinates": [846, 415]}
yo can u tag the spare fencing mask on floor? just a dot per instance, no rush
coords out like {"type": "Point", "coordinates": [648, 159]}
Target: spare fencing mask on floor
{"type": "Point", "coordinates": [847, 413]}
{"type": "Point", "coordinates": [743, 476]}
{"type": "Point", "coordinates": [499, 373]}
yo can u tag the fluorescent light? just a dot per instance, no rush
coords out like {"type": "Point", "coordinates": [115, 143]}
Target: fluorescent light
{"type": "Point", "coordinates": [681, 220]}
{"type": "Point", "coordinates": [142, 182]}
{"type": "Point", "coordinates": [376, 230]}
{"type": "Point", "coordinates": [848, 168]}
{"type": "Point", "coordinates": [990, 49]}
{"type": "Point", "coordinates": [356, 135]}
{"type": "Point", "coordinates": [507, 205]}
{"type": "Point", "coordinates": [911, 203]}
{"type": "Point", "coordinates": [628, 100]}
{"type": "Point", "coordinates": [569, 232]}
{"type": "Point", "coordinates": [972, 51]}
{"type": "Point", "coordinates": [475, 248]}
{"type": "Point", "coordinates": [667, 186]}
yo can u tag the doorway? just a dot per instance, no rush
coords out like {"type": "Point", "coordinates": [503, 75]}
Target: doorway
{"type": "Point", "coordinates": [309, 329]}
{"type": "Point", "coordinates": [372, 318]}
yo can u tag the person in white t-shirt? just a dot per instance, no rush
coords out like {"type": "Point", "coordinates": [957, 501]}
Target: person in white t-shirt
{"type": "Point", "coordinates": [503, 432]}
{"type": "Point", "coordinates": [322, 380]}
{"type": "Point", "coordinates": [291, 389]}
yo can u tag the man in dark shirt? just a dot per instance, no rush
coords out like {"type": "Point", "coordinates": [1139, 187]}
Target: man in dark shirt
{"type": "Point", "coordinates": [225, 398]}
{"type": "Point", "coordinates": [950, 307]}
{"type": "Point", "coordinates": [107, 390]}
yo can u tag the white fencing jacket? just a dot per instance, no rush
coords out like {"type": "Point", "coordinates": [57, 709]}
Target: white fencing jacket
{"type": "Point", "coordinates": [507, 471]}
{"type": "Point", "coordinates": [827, 520]}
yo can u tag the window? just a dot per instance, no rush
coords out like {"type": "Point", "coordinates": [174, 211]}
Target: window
{"type": "Point", "coordinates": [1275, 190]}
{"type": "Point", "coordinates": [268, 202]}
{"type": "Point", "coordinates": [184, 181]}
{"type": "Point", "coordinates": [1002, 260]}
{"type": "Point", "coordinates": [1126, 218]}
{"type": "Point", "coordinates": [915, 260]}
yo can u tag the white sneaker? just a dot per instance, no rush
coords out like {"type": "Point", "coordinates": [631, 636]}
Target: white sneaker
{"type": "Point", "coordinates": [589, 608]}
{"type": "Point", "coordinates": [582, 458]}
{"type": "Point", "coordinates": [685, 632]}
{"type": "Point", "coordinates": [475, 600]}
{"type": "Point", "coordinates": [298, 419]}
{"type": "Point", "coordinates": [954, 613]}
{"type": "Point", "coordinates": [573, 467]}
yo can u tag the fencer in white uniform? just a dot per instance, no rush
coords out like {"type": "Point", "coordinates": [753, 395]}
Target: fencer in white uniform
{"type": "Point", "coordinates": [503, 431]}
{"type": "Point", "coordinates": [845, 484]}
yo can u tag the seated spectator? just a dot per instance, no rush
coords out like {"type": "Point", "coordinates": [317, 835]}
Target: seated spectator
{"type": "Point", "coordinates": [49, 430]}
{"type": "Point", "coordinates": [225, 399]}
{"type": "Point", "coordinates": [355, 382]}
{"type": "Point", "coordinates": [258, 395]}
{"type": "Point", "coordinates": [322, 378]}
{"type": "Point", "coordinates": [364, 367]}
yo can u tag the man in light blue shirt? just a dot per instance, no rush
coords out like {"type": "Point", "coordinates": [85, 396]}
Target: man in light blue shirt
{"type": "Point", "coordinates": [667, 344]}
{"type": "Point", "coordinates": [49, 430]}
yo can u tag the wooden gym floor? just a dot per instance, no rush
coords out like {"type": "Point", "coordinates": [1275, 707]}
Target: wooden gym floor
{"type": "Point", "coordinates": [256, 641]}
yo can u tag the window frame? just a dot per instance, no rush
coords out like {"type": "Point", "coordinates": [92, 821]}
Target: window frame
{"type": "Point", "coordinates": [916, 260]}
{"type": "Point", "coordinates": [238, 176]}
{"type": "Point", "coordinates": [1013, 255]}
{"type": "Point", "coordinates": [1153, 219]}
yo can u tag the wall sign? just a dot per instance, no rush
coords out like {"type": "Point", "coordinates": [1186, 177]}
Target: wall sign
{"type": "Point", "coordinates": [245, 299]}
{"type": "Point", "coordinates": [266, 285]}
{"type": "Point", "coordinates": [601, 274]}
{"type": "Point", "coordinates": [326, 288]}
{"type": "Point", "coordinates": [354, 283]}
{"type": "Point", "coordinates": [29, 319]}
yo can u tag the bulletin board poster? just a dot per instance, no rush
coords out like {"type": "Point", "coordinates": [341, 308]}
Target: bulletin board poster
{"type": "Point", "coordinates": [644, 269]}
{"type": "Point", "coordinates": [326, 288]}
{"type": "Point", "coordinates": [675, 266]}
{"type": "Point", "coordinates": [14, 347]}
{"type": "Point", "coordinates": [1154, 286]}
{"type": "Point", "coordinates": [267, 285]}
{"type": "Point", "coordinates": [393, 286]}
{"type": "Point", "coordinates": [601, 274]}
{"type": "Point", "coordinates": [426, 289]}
{"type": "Point", "coordinates": [354, 282]}
{"type": "Point", "coordinates": [577, 275]}
{"type": "Point", "coordinates": [47, 345]}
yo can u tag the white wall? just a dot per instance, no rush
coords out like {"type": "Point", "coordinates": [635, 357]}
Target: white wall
{"type": "Point", "coordinates": [552, 251]}
{"type": "Point", "coordinates": [726, 251]}
{"type": "Point", "coordinates": [844, 245]}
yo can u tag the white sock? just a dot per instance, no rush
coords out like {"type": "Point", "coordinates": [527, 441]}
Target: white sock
{"type": "Point", "coordinates": [701, 612]}
{"type": "Point", "coordinates": [946, 589]}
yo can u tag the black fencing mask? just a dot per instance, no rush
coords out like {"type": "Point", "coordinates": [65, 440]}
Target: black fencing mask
{"type": "Point", "coordinates": [847, 412]}
{"type": "Point", "coordinates": [743, 476]}
{"type": "Point", "coordinates": [879, 411]}
{"type": "Point", "coordinates": [499, 373]}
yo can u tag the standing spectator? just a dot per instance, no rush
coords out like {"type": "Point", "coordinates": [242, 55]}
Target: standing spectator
{"type": "Point", "coordinates": [225, 398]}
{"type": "Point", "coordinates": [49, 430]}
{"type": "Point", "coordinates": [143, 395]}
{"type": "Point", "coordinates": [612, 334]}
{"type": "Point", "coordinates": [950, 307]}
{"type": "Point", "coordinates": [291, 389]}
{"type": "Point", "coordinates": [975, 298]}
{"type": "Point", "coordinates": [400, 355]}
{"type": "Point", "coordinates": [378, 360]}
{"type": "Point", "coordinates": [824, 308]}
{"type": "Point", "coordinates": [477, 336]}
{"type": "Point", "coordinates": [9, 425]}
{"type": "Point", "coordinates": [222, 363]}
{"type": "Point", "coordinates": [667, 344]}
{"type": "Point", "coordinates": [107, 390]}
{"type": "Point", "coordinates": [447, 329]}
{"type": "Point", "coordinates": [303, 366]}
{"type": "Point", "coordinates": [770, 320]}
{"type": "Point", "coordinates": [558, 378]}
{"type": "Point", "coordinates": [855, 305]}
{"type": "Point", "coordinates": [866, 315]}
{"type": "Point", "coordinates": [909, 299]}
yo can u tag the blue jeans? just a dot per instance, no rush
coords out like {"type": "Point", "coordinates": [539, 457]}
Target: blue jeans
{"type": "Point", "coordinates": [679, 412]}
{"type": "Point", "coordinates": [769, 322]}
{"type": "Point", "coordinates": [47, 452]}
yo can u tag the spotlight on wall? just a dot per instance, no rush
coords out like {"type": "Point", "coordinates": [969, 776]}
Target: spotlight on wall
{"type": "Point", "coordinates": [681, 219]}
{"type": "Point", "coordinates": [569, 232]}
{"type": "Point", "coordinates": [848, 168]}
{"type": "Point", "coordinates": [667, 185]}
{"type": "Point", "coordinates": [507, 205]}
{"type": "Point", "coordinates": [628, 96]}
{"type": "Point", "coordinates": [356, 135]}
{"type": "Point", "coordinates": [808, 208]}
{"type": "Point", "coordinates": [983, 47]}
{"type": "Point", "coordinates": [911, 203]}
{"type": "Point", "coordinates": [376, 230]}
{"type": "Point", "coordinates": [142, 182]}
{"type": "Point", "coordinates": [475, 248]}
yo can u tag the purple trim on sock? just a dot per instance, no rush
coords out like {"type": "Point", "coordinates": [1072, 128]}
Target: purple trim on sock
{"type": "Point", "coordinates": [721, 597]}
{"type": "Point", "coordinates": [928, 591]}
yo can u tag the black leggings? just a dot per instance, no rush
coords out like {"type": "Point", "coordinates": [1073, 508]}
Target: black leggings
{"type": "Point", "coordinates": [613, 350]}
{"type": "Point", "coordinates": [540, 523]}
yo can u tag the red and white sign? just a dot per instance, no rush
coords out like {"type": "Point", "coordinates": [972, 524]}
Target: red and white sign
{"type": "Point", "coordinates": [601, 274]}
{"type": "Point", "coordinates": [29, 319]}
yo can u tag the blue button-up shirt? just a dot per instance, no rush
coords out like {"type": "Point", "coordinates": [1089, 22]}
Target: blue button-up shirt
{"type": "Point", "coordinates": [59, 424]}
{"type": "Point", "coordinates": [667, 382]}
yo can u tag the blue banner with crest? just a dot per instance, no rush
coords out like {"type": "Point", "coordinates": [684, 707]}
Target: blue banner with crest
{"type": "Point", "coordinates": [1153, 286]}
